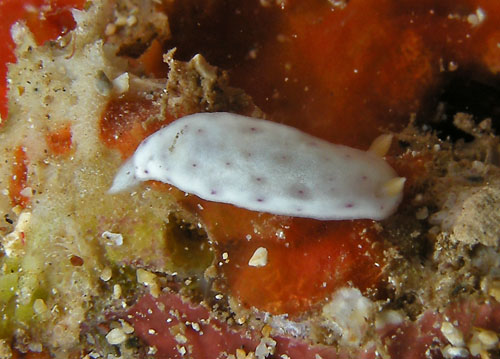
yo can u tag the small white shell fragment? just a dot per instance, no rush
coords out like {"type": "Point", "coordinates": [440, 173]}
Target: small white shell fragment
{"type": "Point", "coordinates": [39, 306]}
{"type": "Point", "coordinates": [265, 166]}
{"type": "Point", "coordinates": [348, 315]}
{"type": "Point", "coordinates": [106, 274]}
{"type": "Point", "coordinates": [488, 338]}
{"type": "Point", "coordinates": [451, 352]}
{"type": "Point", "coordinates": [116, 336]}
{"type": "Point", "coordinates": [126, 327]}
{"type": "Point", "coordinates": [121, 83]}
{"type": "Point", "coordinates": [452, 334]}
{"type": "Point", "coordinates": [150, 280]}
{"type": "Point", "coordinates": [259, 258]}
{"type": "Point", "coordinates": [113, 238]}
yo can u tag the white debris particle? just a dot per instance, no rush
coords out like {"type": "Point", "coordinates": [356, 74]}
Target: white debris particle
{"type": "Point", "coordinates": [477, 18]}
{"type": "Point", "coordinates": [259, 258]}
{"type": "Point", "coordinates": [126, 327]}
{"type": "Point", "coordinates": [116, 336]}
{"type": "Point", "coordinates": [112, 238]}
{"type": "Point", "coordinates": [266, 347]}
{"type": "Point", "coordinates": [148, 279]}
{"type": "Point", "coordinates": [182, 350]}
{"type": "Point", "coordinates": [347, 315]}
{"type": "Point", "coordinates": [225, 255]}
{"type": "Point", "coordinates": [39, 306]}
{"type": "Point", "coordinates": [481, 341]}
{"type": "Point", "coordinates": [27, 192]}
{"type": "Point", "coordinates": [195, 326]}
{"type": "Point", "coordinates": [152, 350]}
{"type": "Point", "coordinates": [280, 234]}
{"type": "Point", "coordinates": [121, 83]}
{"type": "Point", "coordinates": [219, 296]}
{"type": "Point", "coordinates": [451, 352]}
{"type": "Point", "coordinates": [180, 338]}
{"type": "Point", "coordinates": [110, 29]}
{"type": "Point", "coordinates": [488, 338]}
{"type": "Point", "coordinates": [452, 334]}
{"type": "Point", "coordinates": [117, 291]}
{"type": "Point", "coordinates": [151, 331]}
{"type": "Point", "coordinates": [106, 274]}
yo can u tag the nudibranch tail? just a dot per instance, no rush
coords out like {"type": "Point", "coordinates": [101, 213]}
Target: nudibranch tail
{"type": "Point", "coordinates": [125, 178]}
{"type": "Point", "coordinates": [267, 167]}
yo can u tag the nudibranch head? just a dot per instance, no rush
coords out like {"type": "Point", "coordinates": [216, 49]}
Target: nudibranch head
{"type": "Point", "coordinates": [264, 166]}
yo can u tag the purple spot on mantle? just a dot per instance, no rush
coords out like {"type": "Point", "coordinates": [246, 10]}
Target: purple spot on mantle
{"type": "Point", "coordinates": [364, 178]}
{"type": "Point", "coordinates": [228, 163]}
{"type": "Point", "coordinates": [349, 205]}
{"type": "Point", "coordinates": [200, 130]}
{"type": "Point", "coordinates": [260, 199]}
{"type": "Point", "coordinates": [299, 191]}
{"type": "Point", "coordinates": [213, 192]}
{"type": "Point", "coordinates": [253, 129]}
{"type": "Point", "coordinates": [194, 164]}
{"type": "Point", "coordinates": [146, 171]}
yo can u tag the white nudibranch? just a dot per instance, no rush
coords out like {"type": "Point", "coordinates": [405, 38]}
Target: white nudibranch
{"type": "Point", "coordinates": [267, 167]}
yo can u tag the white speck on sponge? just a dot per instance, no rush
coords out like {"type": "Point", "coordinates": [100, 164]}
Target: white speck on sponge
{"type": "Point", "coordinates": [264, 166]}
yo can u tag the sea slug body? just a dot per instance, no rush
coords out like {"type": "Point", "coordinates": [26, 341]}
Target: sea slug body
{"type": "Point", "coordinates": [264, 166]}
